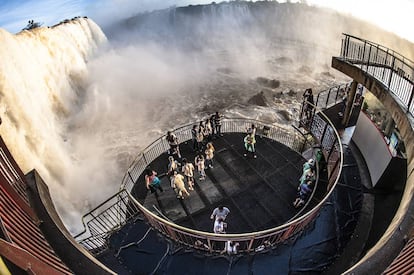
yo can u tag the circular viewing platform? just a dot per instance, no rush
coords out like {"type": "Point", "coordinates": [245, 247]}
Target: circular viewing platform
{"type": "Point", "coordinates": [259, 192]}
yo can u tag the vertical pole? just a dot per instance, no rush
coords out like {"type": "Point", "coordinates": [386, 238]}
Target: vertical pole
{"type": "Point", "coordinates": [410, 101]}
{"type": "Point", "coordinates": [327, 98]}
{"type": "Point", "coordinates": [363, 53]}
{"type": "Point", "coordinates": [369, 56]}
{"type": "Point", "coordinates": [317, 100]}
{"type": "Point", "coordinates": [392, 71]}
{"type": "Point", "coordinates": [132, 180]}
{"type": "Point", "coordinates": [349, 103]}
{"type": "Point", "coordinates": [346, 45]}
{"type": "Point", "coordinates": [385, 63]}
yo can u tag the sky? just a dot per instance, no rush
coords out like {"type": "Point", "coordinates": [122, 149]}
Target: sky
{"type": "Point", "coordinates": [392, 15]}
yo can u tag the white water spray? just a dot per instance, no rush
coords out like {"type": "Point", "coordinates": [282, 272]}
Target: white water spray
{"type": "Point", "coordinates": [41, 76]}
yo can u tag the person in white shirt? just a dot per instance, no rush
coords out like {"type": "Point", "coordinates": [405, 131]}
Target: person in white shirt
{"type": "Point", "coordinates": [220, 212]}
{"type": "Point", "coordinates": [231, 247]}
{"type": "Point", "coordinates": [199, 162]}
{"type": "Point", "coordinates": [188, 170]}
{"type": "Point", "coordinates": [219, 226]}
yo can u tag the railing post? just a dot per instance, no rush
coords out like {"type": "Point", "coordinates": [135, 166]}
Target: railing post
{"type": "Point", "coordinates": [317, 100]}
{"type": "Point", "coordinates": [145, 159]}
{"type": "Point", "coordinates": [385, 63]}
{"type": "Point", "coordinates": [392, 71]}
{"type": "Point", "coordinates": [323, 134]}
{"type": "Point", "coordinates": [346, 46]}
{"type": "Point", "coordinates": [410, 101]}
{"type": "Point", "coordinates": [369, 57]}
{"type": "Point", "coordinates": [132, 180]}
{"type": "Point", "coordinates": [363, 53]}
{"type": "Point", "coordinates": [327, 98]}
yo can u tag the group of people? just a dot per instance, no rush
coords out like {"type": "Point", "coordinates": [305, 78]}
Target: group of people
{"type": "Point", "coordinates": [178, 176]}
{"type": "Point", "coordinates": [206, 131]}
{"type": "Point", "coordinates": [181, 170]}
{"type": "Point", "coordinates": [306, 183]}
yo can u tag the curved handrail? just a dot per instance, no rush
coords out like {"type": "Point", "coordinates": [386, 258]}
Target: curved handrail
{"type": "Point", "coordinates": [127, 183]}
{"type": "Point", "coordinates": [329, 141]}
{"type": "Point", "coordinates": [393, 70]}
{"type": "Point", "coordinates": [390, 79]}
{"type": "Point", "coordinates": [220, 236]}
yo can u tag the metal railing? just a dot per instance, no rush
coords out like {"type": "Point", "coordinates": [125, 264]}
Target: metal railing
{"type": "Point", "coordinates": [393, 70]}
{"type": "Point", "coordinates": [289, 137]}
{"type": "Point", "coordinates": [106, 218]}
{"type": "Point", "coordinates": [331, 96]}
{"type": "Point", "coordinates": [99, 226]}
{"type": "Point", "coordinates": [13, 176]}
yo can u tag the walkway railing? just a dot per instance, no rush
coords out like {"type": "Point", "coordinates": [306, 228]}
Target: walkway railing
{"type": "Point", "coordinates": [103, 220]}
{"type": "Point", "coordinates": [392, 69]}
{"type": "Point", "coordinates": [289, 137]}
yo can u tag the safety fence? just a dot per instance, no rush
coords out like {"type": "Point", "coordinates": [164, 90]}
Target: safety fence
{"type": "Point", "coordinates": [393, 70]}
{"type": "Point", "coordinates": [287, 136]}
{"type": "Point", "coordinates": [105, 219]}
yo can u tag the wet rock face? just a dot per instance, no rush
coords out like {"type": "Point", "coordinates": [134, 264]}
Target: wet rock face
{"type": "Point", "coordinates": [258, 99]}
{"type": "Point", "coordinates": [269, 83]}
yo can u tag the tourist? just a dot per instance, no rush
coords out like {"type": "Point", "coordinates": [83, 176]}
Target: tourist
{"type": "Point", "coordinates": [200, 244]}
{"type": "Point", "coordinates": [213, 125]}
{"type": "Point", "coordinates": [209, 155]}
{"type": "Point", "coordinates": [208, 130]}
{"type": "Point", "coordinates": [308, 171]}
{"type": "Point", "coordinates": [220, 212]}
{"type": "Point", "coordinates": [194, 138]}
{"type": "Point", "coordinates": [304, 191]}
{"type": "Point", "coordinates": [308, 101]}
{"type": "Point", "coordinates": [152, 182]}
{"type": "Point", "coordinates": [217, 123]}
{"type": "Point", "coordinates": [188, 170]}
{"type": "Point", "coordinates": [344, 97]}
{"type": "Point", "coordinates": [219, 226]}
{"type": "Point", "coordinates": [179, 186]}
{"type": "Point", "coordinates": [252, 130]}
{"type": "Point", "coordinates": [173, 142]}
{"type": "Point", "coordinates": [231, 247]}
{"type": "Point", "coordinates": [249, 145]}
{"type": "Point", "coordinates": [172, 165]}
{"type": "Point", "coordinates": [200, 139]}
{"type": "Point", "coordinates": [262, 247]}
{"type": "Point", "coordinates": [310, 164]}
{"type": "Point", "coordinates": [199, 162]}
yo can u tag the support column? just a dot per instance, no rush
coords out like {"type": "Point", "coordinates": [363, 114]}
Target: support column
{"type": "Point", "coordinates": [349, 103]}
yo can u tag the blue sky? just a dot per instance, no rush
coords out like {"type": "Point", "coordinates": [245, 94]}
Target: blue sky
{"type": "Point", "coordinates": [16, 13]}
{"type": "Point", "coordinates": [392, 15]}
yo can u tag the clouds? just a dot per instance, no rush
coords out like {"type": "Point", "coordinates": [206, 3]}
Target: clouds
{"type": "Point", "coordinates": [390, 15]}
{"type": "Point", "coordinates": [15, 14]}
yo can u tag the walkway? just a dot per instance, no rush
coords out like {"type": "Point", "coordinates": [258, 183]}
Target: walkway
{"type": "Point", "coordinates": [311, 253]}
{"type": "Point", "coordinates": [259, 192]}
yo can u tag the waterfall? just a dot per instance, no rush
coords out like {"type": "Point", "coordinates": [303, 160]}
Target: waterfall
{"type": "Point", "coordinates": [42, 72]}
{"type": "Point", "coordinates": [79, 109]}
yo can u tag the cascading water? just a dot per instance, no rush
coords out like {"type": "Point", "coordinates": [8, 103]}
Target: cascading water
{"type": "Point", "coordinates": [41, 76]}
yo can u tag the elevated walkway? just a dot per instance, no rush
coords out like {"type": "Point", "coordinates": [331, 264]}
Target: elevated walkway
{"type": "Point", "coordinates": [22, 244]}
{"type": "Point", "coordinates": [393, 84]}
{"type": "Point", "coordinates": [259, 192]}
{"type": "Point", "coordinates": [311, 253]}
